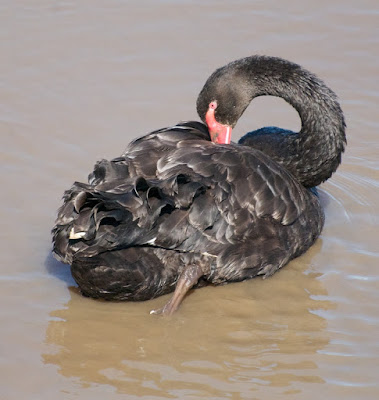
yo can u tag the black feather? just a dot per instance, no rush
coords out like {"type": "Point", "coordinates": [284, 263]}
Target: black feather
{"type": "Point", "coordinates": [175, 199]}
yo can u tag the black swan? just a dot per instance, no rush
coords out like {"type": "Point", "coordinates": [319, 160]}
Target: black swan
{"type": "Point", "coordinates": [184, 207]}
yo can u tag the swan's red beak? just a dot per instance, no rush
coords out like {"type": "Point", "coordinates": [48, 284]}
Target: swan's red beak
{"type": "Point", "coordinates": [219, 133]}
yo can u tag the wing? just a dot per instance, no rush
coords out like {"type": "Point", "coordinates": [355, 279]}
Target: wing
{"type": "Point", "coordinates": [239, 178]}
{"type": "Point", "coordinates": [117, 198]}
{"type": "Point", "coordinates": [258, 217]}
{"type": "Point", "coordinates": [187, 195]}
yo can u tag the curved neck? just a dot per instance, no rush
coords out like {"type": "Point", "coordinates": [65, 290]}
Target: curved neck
{"type": "Point", "coordinates": [312, 154]}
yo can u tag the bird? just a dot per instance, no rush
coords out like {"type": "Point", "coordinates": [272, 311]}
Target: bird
{"type": "Point", "coordinates": [184, 206]}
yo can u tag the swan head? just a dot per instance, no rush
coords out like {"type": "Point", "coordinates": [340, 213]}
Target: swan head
{"type": "Point", "coordinates": [223, 99]}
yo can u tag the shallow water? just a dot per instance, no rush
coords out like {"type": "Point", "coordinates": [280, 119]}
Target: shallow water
{"type": "Point", "coordinates": [78, 81]}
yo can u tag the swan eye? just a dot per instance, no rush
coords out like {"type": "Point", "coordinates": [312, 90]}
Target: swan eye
{"type": "Point", "coordinates": [213, 105]}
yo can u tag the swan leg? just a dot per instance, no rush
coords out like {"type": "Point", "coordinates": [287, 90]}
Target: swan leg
{"type": "Point", "coordinates": [188, 278]}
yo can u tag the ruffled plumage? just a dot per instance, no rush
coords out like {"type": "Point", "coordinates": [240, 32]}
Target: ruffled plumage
{"type": "Point", "coordinates": [176, 210]}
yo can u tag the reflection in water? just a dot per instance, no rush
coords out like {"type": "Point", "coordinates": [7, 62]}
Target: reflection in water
{"type": "Point", "coordinates": [247, 336]}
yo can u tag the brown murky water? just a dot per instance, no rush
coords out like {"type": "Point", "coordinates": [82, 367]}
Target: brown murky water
{"type": "Point", "coordinates": [78, 81]}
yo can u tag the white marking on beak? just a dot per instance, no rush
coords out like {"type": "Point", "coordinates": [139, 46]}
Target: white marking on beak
{"type": "Point", "coordinates": [228, 134]}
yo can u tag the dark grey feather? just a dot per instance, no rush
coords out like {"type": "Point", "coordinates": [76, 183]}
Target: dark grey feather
{"type": "Point", "coordinates": [174, 199]}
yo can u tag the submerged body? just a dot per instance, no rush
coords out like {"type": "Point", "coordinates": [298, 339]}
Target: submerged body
{"type": "Point", "coordinates": [177, 209]}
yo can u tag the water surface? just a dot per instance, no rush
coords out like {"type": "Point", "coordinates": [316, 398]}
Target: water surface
{"type": "Point", "coordinates": [78, 81]}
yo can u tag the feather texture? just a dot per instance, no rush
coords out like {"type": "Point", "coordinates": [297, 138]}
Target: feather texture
{"type": "Point", "coordinates": [177, 210]}
{"type": "Point", "coordinates": [229, 202]}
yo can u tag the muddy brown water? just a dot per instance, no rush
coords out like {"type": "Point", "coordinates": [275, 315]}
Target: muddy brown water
{"type": "Point", "coordinates": [78, 81]}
